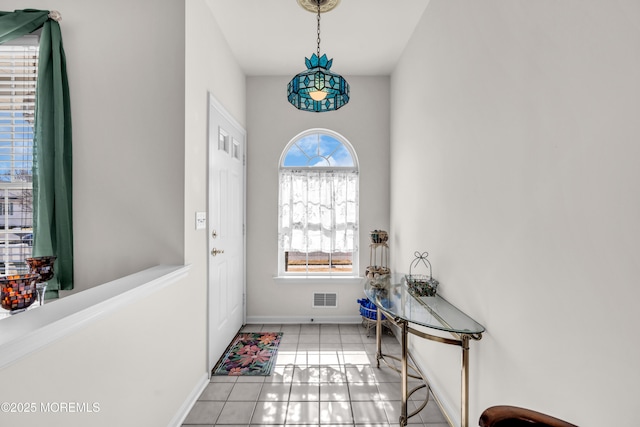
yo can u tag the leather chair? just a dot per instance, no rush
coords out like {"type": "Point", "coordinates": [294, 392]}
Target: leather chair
{"type": "Point", "coordinates": [513, 416]}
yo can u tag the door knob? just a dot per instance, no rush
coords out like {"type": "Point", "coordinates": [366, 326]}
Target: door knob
{"type": "Point", "coordinates": [215, 251]}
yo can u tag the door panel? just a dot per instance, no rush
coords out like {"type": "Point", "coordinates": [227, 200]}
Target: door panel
{"type": "Point", "coordinates": [226, 236]}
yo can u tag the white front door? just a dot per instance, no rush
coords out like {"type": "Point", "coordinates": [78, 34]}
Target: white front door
{"type": "Point", "coordinates": [226, 214]}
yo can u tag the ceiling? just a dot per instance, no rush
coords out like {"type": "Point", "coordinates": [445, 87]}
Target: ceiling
{"type": "Point", "coordinates": [272, 37]}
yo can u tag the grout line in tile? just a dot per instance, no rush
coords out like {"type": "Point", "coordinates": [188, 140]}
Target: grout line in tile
{"type": "Point", "coordinates": [320, 354]}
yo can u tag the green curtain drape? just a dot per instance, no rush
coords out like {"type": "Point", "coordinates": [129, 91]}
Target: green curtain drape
{"type": "Point", "coordinates": [52, 180]}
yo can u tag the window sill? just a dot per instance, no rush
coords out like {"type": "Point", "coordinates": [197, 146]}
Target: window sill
{"type": "Point", "coordinates": [318, 280]}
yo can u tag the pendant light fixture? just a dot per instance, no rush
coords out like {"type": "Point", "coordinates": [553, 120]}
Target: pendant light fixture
{"type": "Point", "coordinates": [316, 88]}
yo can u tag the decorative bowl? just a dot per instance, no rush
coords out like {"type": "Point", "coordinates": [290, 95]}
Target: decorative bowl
{"type": "Point", "coordinates": [43, 266]}
{"type": "Point", "coordinates": [18, 292]}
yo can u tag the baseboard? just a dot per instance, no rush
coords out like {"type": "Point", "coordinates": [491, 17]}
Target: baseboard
{"type": "Point", "coordinates": [283, 320]}
{"type": "Point", "coordinates": [187, 405]}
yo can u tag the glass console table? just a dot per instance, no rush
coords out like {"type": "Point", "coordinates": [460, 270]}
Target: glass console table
{"type": "Point", "coordinates": [406, 310]}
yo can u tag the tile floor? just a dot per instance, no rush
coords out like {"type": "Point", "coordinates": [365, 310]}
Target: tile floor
{"type": "Point", "coordinates": [324, 375]}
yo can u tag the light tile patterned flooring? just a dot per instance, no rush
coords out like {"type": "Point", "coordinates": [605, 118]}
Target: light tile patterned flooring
{"type": "Point", "coordinates": [324, 375]}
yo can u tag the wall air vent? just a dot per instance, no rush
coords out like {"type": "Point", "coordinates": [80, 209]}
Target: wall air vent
{"type": "Point", "coordinates": [325, 300]}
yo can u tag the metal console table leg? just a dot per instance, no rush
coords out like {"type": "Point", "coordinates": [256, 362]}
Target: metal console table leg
{"type": "Point", "coordinates": [405, 367]}
{"type": "Point", "coordinates": [462, 341]}
{"type": "Point", "coordinates": [404, 417]}
{"type": "Point", "coordinates": [406, 310]}
{"type": "Point", "coordinates": [378, 338]}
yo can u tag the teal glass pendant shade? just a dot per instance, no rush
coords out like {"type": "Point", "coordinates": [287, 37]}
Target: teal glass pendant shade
{"type": "Point", "coordinates": [318, 89]}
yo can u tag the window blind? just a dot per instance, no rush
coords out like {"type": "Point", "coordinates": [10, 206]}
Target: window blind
{"type": "Point", "coordinates": [18, 76]}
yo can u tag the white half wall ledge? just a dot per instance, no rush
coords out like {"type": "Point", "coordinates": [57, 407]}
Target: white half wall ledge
{"type": "Point", "coordinates": [26, 332]}
{"type": "Point", "coordinates": [294, 320]}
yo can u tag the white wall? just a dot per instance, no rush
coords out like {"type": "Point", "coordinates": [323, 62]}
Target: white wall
{"type": "Point", "coordinates": [126, 75]}
{"type": "Point", "coordinates": [514, 163]}
{"type": "Point", "coordinates": [140, 174]}
{"type": "Point", "coordinates": [210, 67]}
{"type": "Point", "coordinates": [272, 123]}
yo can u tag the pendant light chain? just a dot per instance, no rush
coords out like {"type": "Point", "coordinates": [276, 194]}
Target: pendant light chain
{"type": "Point", "coordinates": [317, 88]}
{"type": "Point", "coordinates": [318, 29]}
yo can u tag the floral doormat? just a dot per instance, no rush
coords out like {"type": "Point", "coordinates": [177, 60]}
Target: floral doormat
{"type": "Point", "coordinates": [250, 354]}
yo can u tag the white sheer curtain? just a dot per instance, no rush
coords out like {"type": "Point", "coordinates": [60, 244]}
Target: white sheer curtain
{"type": "Point", "coordinates": [318, 210]}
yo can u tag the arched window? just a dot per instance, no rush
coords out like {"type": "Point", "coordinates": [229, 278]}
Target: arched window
{"type": "Point", "coordinates": [318, 218]}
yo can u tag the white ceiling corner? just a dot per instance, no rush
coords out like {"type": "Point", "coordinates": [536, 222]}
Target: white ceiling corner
{"type": "Point", "coordinates": [364, 37]}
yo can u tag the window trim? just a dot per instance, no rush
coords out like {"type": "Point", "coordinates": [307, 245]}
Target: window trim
{"type": "Point", "coordinates": [318, 277]}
